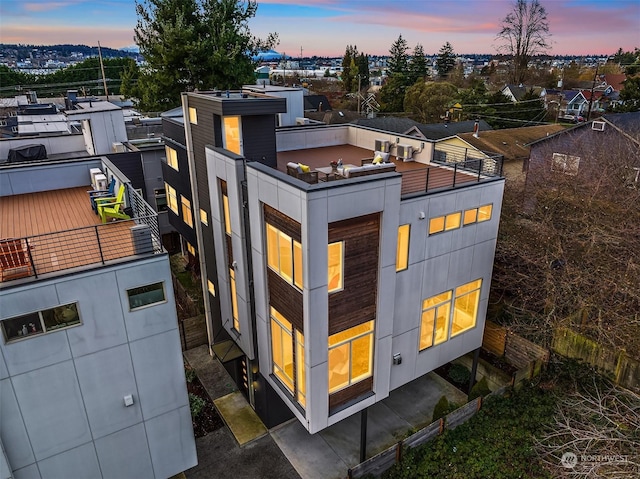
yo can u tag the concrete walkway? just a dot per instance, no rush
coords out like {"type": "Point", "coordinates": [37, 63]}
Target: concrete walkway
{"type": "Point", "coordinates": [331, 452]}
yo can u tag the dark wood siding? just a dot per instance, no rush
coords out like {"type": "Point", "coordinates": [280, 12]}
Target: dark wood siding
{"type": "Point", "coordinates": [356, 303]}
{"type": "Point", "coordinates": [174, 130]}
{"type": "Point", "coordinates": [286, 299]}
{"type": "Point", "coordinates": [283, 222]}
{"type": "Point", "coordinates": [130, 164]}
{"type": "Point", "coordinates": [259, 139]}
{"type": "Point", "coordinates": [349, 394]}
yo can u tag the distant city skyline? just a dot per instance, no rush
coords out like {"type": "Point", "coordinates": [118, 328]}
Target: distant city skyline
{"type": "Point", "coordinates": [326, 27]}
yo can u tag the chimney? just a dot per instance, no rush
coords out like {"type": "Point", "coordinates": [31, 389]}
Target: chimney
{"type": "Point", "coordinates": [475, 129]}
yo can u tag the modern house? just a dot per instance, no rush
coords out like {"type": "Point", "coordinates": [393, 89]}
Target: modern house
{"type": "Point", "coordinates": [91, 375]}
{"type": "Point", "coordinates": [327, 287]}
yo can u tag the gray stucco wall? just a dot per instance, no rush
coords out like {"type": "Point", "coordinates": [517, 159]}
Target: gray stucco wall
{"type": "Point", "coordinates": [62, 393]}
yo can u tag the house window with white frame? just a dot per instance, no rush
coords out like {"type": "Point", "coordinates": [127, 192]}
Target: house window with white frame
{"type": "Point", "coordinates": [566, 164]}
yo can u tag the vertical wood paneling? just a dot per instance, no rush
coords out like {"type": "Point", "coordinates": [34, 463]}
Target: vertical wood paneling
{"type": "Point", "coordinates": [286, 299]}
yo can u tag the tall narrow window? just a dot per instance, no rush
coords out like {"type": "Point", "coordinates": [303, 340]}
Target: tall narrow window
{"type": "Point", "coordinates": [172, 198]}
{"type": "Point", "coordinates": [232, 140]}
{"type": "Point", "coordinates": [300, 370]}
{"type": "Point", "coordinates": [435, 319]}
{"type": "Point", "coordinates": [193, 116]}
{"type": "Point", "coordinates": [204, 219]}
{"type": "Point", "coordinates": [282, 348]}
{"type": "Point", "coordinates": [335, 267]}
{"type": "Point", "coordinates": [402, 253]}
{"type": "Point", "coordinates": [284, 256]}
{"type": "Point", "coordinates": [350, 356]}
{"type": "Point", "coordinates": [187, 215]}
{"type": "Point", "coordinates": [465, 307]}
{"type": "Point", "coordinates": [225, 212]}
{"type": "Point", "coordinates": [234, 299]}
{"type": "Point", "coordinates": [172, 157]}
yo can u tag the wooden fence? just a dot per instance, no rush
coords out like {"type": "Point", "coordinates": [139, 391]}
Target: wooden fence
{"type": "Point", "coordinates": [382, 461]}
{"type": "Point", "coordinates": [517, 350]}
{"type": "Point", "coordinates": [193, 332]}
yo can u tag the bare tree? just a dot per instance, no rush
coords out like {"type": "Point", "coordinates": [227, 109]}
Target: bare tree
{"type": "Point", "coordinates": [594, 434]}
{"type": "Point", "coordinates": [524, 34]}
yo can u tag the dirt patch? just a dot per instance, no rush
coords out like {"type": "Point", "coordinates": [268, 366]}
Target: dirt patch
{"type": "Point", "coordinates": [208, 419]}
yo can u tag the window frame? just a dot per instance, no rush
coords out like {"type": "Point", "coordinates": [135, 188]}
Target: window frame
{"type": "Point", "coordinates": [172, 194]}
{"type": "Point", "coordinates": [560, 162]}
{"type": "Point", "coordinates": [44, 329]}
{"type": "Point", "coordinates": [370, 333]}
{"type": "Point", "coordinates": [228, 142]}
{"type": "Point", "coordinates": [445, 222]}
{"type": "Point", "coordinates": [187, 213]}
{"type": "Point", "coordinates": [234, 299]}
{"type": "Point", "coordinates": [402, 248]}
{"type": "Point", "coordinates": [204, 218]}
{"type": "Point", "coordinates": [193, 115]}
{"type": "Point", "coordinates": [278, 319]}
{"type": "Point", "coordinates": [458, 297]}
{"type": "Point", "coordinates": [435, 307]}
{"type": "Point", "coordinates": [273, 254]}
{"type": "Point", "coordinates": [340, 286]}
{"type": "Point", "coordinates": [146, 305]}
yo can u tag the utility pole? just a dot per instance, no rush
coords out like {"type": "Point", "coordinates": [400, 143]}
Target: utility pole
{"type": "Point", "coordinates": [104, 79]}
{"type": "Point", "coordinates": [593, 85]}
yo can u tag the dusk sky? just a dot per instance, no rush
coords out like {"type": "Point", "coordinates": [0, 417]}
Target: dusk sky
{"type": "Point", "coordinates": [326, 27]}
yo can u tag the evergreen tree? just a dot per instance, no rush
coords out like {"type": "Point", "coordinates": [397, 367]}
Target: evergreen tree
{"type": "Point", "coordinates": [418, 65]}
{"type": "Point", "coordinates": [446, 60]}
{"type": "Point", "coordinates": [363, 70]}
{"type": "Point", "coordinates": [194, 44]}
{"type": "Point", "coordinates": [349, 68]}
{"type": "Point", "coordinates": [399, 59]}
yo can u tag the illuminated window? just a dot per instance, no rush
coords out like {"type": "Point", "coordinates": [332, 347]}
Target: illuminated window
{"type": "Point", "coordinates": [234, 299]}
{"type": "Point", "coordinates": [193, 116]}
{"type": "Point", "coordinates": [203, 217]}
{"type": "Point", "coordinates": [172, 197]}
{"type": "Point", "coordinates": [211, 287]}
{"type": "Point", "coordinates": [402, 253]}
{"type": "Point", "coordinates": [435, 320]}
{"type": "Point", "coordinates": [445, 223]}
{"type": "Point", "coordinates": [300, 370]}
{"type": "Point", "coordinates": [336, 264]}
{"type": "Point", "coordinates": [231, 136]}
{"type": "Point", "coordinates": [470, 216]}
{"type": "Point", "coordinates": [284, 256]}
{"type": "Point", "coordinates": [465, 307]}
{"type": "Point", "coordinates": [225, 212]}
{"type": "Point", "coordinates": [191, 249]}
{"type": "Point", "coordinates": [350, 356]}
{"type": "Point", "coordinates": [484, 213]}
{"type": "Point", "coordinates": [172, 157]}
{"type": "Point", "coordinates": [40, 322]}
{"type": "Point", "coordinates": [187, 216]}
{"type": "Point", "coordinates": [282, 348]}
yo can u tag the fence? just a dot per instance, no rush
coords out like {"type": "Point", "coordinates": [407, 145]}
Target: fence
{"type": "Point", "coordinates": [623, 369]}
{"type": "Point", "coordinates": [193, 332]}
{"type": "Point", "coordinates": [382, 461]}
{"type": "Point", "coordinates": [518, 351]}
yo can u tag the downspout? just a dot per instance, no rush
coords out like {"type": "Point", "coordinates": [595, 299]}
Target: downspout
{"type": "Point", "coordinates": [195, 202]}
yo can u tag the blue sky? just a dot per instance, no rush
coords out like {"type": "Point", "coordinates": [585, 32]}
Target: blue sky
{"type": "Point", "coordinates": [326, 27]}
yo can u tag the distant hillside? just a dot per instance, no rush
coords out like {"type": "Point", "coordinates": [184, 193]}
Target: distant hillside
{"type": "Point", "coordinates": [25, 51]}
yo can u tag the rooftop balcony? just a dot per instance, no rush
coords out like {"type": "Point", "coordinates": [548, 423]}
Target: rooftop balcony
{"type": "Point", "coordinates": [55, 231]}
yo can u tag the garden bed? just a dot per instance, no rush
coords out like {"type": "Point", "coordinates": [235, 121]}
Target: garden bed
{"type": "Point", "coordinates": [206, 418]}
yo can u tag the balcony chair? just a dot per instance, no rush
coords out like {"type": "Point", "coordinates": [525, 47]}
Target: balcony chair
{"type": "Point", "coordinates": [112, 209]}
{"type": "Point", "coordinates": [108, 193]}
{"type": "Point", "coordinates": [14, 261]}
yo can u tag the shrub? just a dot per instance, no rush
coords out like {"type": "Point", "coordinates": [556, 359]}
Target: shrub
{"type": "Point", "coordinates": [190, 375]}
{"type": "Point", "coordinates": [481, 388]}
{"type": "Point", "coordinates": [196, 404]}
{"type": "Point", "coordinates": [459, 374]}
{"type": "Point", "coordinates": [442, 408]}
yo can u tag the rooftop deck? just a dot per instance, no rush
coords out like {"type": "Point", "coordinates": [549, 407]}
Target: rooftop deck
{"type": "Point", "coordinates": [416, 177]}
{"type": "Point", "coordinates": [58, 230]}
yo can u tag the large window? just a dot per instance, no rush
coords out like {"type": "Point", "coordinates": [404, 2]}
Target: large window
{"type": "Point", "coordinates": [40, 322]}
{"type": "Point", "coordinates": [172, 197]}
{"type": "Point", "coordinates": [172, 157]}
{"type": "Point", "coordinates": [287, 349]}
{"type": "Point", "coordinates": [232, 140]}
{"type": "Point", "coordinates": [336, 266]}
{"type": "Point", "coordinates": [350, 356]}
{"type": "Point", "coordinates": [465, 307]}
{"type": "Point", "coordinates": [435, 320]}
{"type": "Point", "coordinates": [234, 299]}
{"type": "Point", "coordinates": [446, 315]}
{"type": "Point", "coordinates": [146, 295]}
{"type": "Point", "coordinates": [477, 215]}
{"type": "Point", "coordinates": [284, 256]}
{"type": "Point", "coordinates": [187, 215]}
{"type": "Point", "coordinates": [402, 253]}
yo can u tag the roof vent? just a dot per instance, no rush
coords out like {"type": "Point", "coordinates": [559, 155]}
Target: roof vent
{"type": "Point", "coordinates": [597, 125]}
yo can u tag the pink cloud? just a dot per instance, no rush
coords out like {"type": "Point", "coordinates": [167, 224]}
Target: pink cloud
{"type": "Point", "coordinates": [45, 7]}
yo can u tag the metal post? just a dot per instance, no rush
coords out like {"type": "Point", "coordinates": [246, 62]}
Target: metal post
{"type": "Point", "coordinates": [33, 264]}
{"type": "Point", "coordinates": [455, 171]}
{"type": "Point", "coordinates": [99, 245]}
{"type": "Point", "coordinates": [474, 368]}
{"type": "Point", "coordinates": [363, 434]}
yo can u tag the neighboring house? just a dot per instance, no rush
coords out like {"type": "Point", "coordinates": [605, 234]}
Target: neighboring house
{"type": "Point", "coordinates": [440, 131]}
{"type": "Point", "coordinates": [587, 149]}
{"type": "Point", "coordinates": [316, 103]}
{"type": "Point", "coordinates": [324, 296]}
{"type": "Point", "coordinates": [91, 373]}
{"type": "Point", "coordinates": [516, 93]}
{"type": "Point", "coordinates": [574, 103]}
